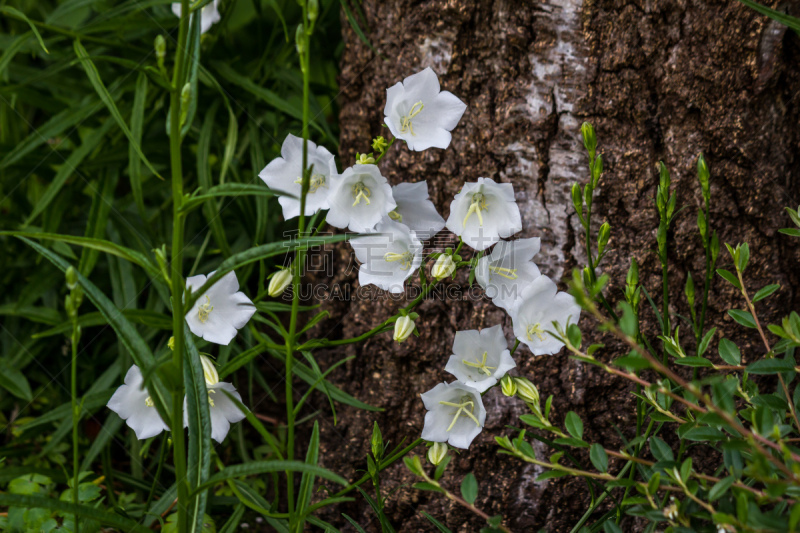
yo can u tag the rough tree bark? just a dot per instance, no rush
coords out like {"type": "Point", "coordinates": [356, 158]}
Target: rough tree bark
{"type": "Point", "coordinates": [661, 80]}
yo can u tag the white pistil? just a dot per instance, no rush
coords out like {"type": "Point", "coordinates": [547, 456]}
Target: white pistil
{"type": "Point", "coordinates": [482, 365]}
{"type": "Point", "coordinates": [535, 329]}
{"type": "Point", "coordinates": [361, 191]}
{"type": "Point", "coordinates": [508, 273]}
{"type": "Point", "coordinates": [405, 259]}
{"type": "Point", "coordinates": [204, 310]}
{"type": "Point", "coordinates": [405, 122]}
{"type": "Point", "coordinates": [316, 181]}
{"type": "Point", "coordinates": [394, 215]}
{"type": "Point", "coordinates": [477, 205]}
{"type": "Point", "coordinates": [462, 408]}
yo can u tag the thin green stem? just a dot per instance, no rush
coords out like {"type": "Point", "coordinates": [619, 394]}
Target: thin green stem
{"type": "Point", "coordinates": [386, 463]}
{"type": "Point", "coordinates": [297, 267]}
{"type": "Point", "coordinates": [162, 456]}
{"type": "Point", "coordinates": [75, 415]}
{"type": "Point", "coordinates": [378, 159]}
{"type": "Point", "coordinates": [176, 165]}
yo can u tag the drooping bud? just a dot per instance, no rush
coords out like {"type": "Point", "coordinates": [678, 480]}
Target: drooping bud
{"type": "Point", "coordinates": [280, 280]}
{"type": "Point", "coordinates": [437, 453]}
{"type": "Point", "coordinates": [577, 200]}
{"type": "Point", "coordinates": [508, 386]}
{"type": "Point", "coordinates": [443, 267]}
{"type": "Point", "coordinates": [209, 370]}
{"type": "Point", "coordinates": [526, 390]}
{"type": "Point", "coordinates": [403, 328]}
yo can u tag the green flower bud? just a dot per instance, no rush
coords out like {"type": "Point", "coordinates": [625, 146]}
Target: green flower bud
{"type": "Point", "coordinates": [508, 386]}
{"type": "Point", "coordinates": [703, 176]}
{"type": "Point", "coordinates": [603, 236]}
{"type": "Point", "coordinates": [365, 159]}
{"type": "Point", "coordinates": [72, 278]}
{"type": "Point", "coordinates": [313, 10]}
{"type": "Point", "coordinates": [171, 343]}
{"type": "Point", "coordinates": [300, 40]}
{"type": "Point", "coordinates": [379, 144]}
{"type": "Point", "coordinates": [577, 199]}
{"type": "Point", "coordinates": [597, 171]}
{"type": "Point", "coordinates": [526, 390]}
{"type": "Point", "coordinates": [689, 289]}
{"type": "Point", "coordinates": [443, 267]}
{"type": "Point", "coordinates": [437, 453]}
{"type": "Point", "coordinates": [403, 328]}
{"type": "Point", "coordinates": [160, 46]}
{"type": "Point", "coordinates": [377, 442]}
{"type": "Point", "coordinates": [589, 139]}
{"type": "Point", "coordinates": [279, 282]}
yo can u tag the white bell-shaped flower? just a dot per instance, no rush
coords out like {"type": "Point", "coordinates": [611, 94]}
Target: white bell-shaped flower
{"type": "Point", "coordinates": [534, 313]}
{"type": "Point", "coordinates": [222, 410]}
{"type": "Point", "coordinates": [388, 257]}
{"type": "Point", "coordinates": [133, 404]}
{"type": "Point", "coordinates": [415, 209]}
{"type": "Point", "coordinates": [420, 114]}
{"type": "Point", "coordinates": [209, 15]}
{"type": "Point", "coordinates": [455, 414]}
{"type": "Point", "coordinates": [361, 199]}
{"type": "Point", "coordinates": [484, 212]}
{"type": "Point", "coordinates": [285, 174]}
{"type": "Point", "coordinates": [480, 358]}
{"type": "Point", "coordinates": [505, 272]}
{"type": "Point", "coordinates": [221, 311]}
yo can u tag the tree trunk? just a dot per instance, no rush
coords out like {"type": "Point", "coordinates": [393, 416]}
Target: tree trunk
{"type": "Point", "coordinates": [660, 80]}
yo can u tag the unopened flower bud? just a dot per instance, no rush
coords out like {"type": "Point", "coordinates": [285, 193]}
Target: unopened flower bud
{"type": "Point", "coordinates": [279, 282]}
{"type": "Point", "coordinates": [160, 46]}
{"type": "Point", "coordinates": [603, 236]}
{"type": "Point", "coordinates": [300, 40]}
{"type": "Point", "coordinates": [589, 139]}
{"type": "Point", "coordinates": [379, 144]}
{"type": "Point", "coordinates": [313, 10]}
{"type": "Point", "coordinates": [437, 453]}
{"type": "Point", "coordinates": [72, 278]}
{"type": "Point", "coordinates": [403, 328]}
{"type": "Point", "coordinates": [209, 370]}
{"type": "Point", "coordinates": [171, 343]}
{"type": "Point", "coordinates": [365, 159]}
{"type": "Point", "coordinates": [526, 390]}
{"type": "Point", "coordinates": [508, 386]}
{"type": "Point", "coordinates": [443, 267]}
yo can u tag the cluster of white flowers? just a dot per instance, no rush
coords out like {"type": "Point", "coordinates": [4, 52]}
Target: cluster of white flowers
{"type": "Point", "coordinates": [215, 317]}
{"type": "Point", "coordinates": [399, 219]}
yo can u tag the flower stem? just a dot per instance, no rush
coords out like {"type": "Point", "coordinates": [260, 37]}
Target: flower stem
{"type": "Point", "coordinates": [176, 165]}
{"type": "Point", "coordinates": [75, 415]}
{"type": "Point", "coordinates": [378, 159]}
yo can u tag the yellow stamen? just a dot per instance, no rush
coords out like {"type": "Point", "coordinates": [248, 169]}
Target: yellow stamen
{"type": "Point", "coordinates": [361, 191]}
{"type": "Point", "coordinates": [535, 329]}
{"type": "Point", "coordinates": [462, 408]}
{"type": "Point", "coordinates": [210, 401]}
{"type": "Point", "coordinates": [481, 366]}
{"type": "Point", "coordinates": [394, 215]}
{"type": "Point", "coordinates": [405, 259]}
{"type": "Point", "coordinates": [149, 402]}
{"type": "Point", "coordinates": [508, 273]}
{"type": "Point", "coordinates": [316, 181]}
{"type": "Point", "coordinates": [204, 310]}
{"type": "Point", "coordinates": [477, 205]}
{"type": "Point", "coordinates": [405, 122]}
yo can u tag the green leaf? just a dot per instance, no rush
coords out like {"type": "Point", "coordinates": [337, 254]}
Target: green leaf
{"type": "Point", "coordinates": [742, 317]}
{"type": "Point", "coordinates": [574, 425]}
{"type": "Point", "coordinates": [598, 457]}
{"type": "Point", "coordinates": [771, 366]}
{"type": "Point", "coordinates": [730, 278]}
{"type": "Point", "coordinates": [199, 418]}
{"type": "Point", "coordinates": [15, 382]}
{"type": "Point", "coordinates": [633, 361]}
{"type": "Point", "coordinates": [661, 450]}
{"type": "Point", "coordinates": [441, 527]}
{"type": "Point", "coordinates": [551, 474]}
{"type": "Point", "coordinates": [704, 434]}
{"type": "Point", "coordinates": [19, 15]}
{"type": "Point", "coordinates": [469, 488]}
{"type": "Point", "coordinates": [720, 488]}
{"type": "Point", "coordinates": [102, 92]}
{"type": "Point", "coordinates": [307, 479]}
{"type": "Point", "coordinates": [137, 127]}
{"type": "Point", "coordinates": [729, 352]}
{"type": "Point", "coordinates": [786, 20]}
{"type": "Point", "coordinates": [701, 349]}
{"type": "Point", "coordinates": [765, 291]}
{"type": "Point", "coordinates": [266, 467]}
{"type": "Point", "coordinates": [354, 524]}
{"type": "Point", "coordinates": [609, 526]}
{"type": "Point", "coordinates": [67, 508]}
{"type": "Point", "coordinates": [230, 189]}
{"type": "Point", "coordinates": [693, 361]}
